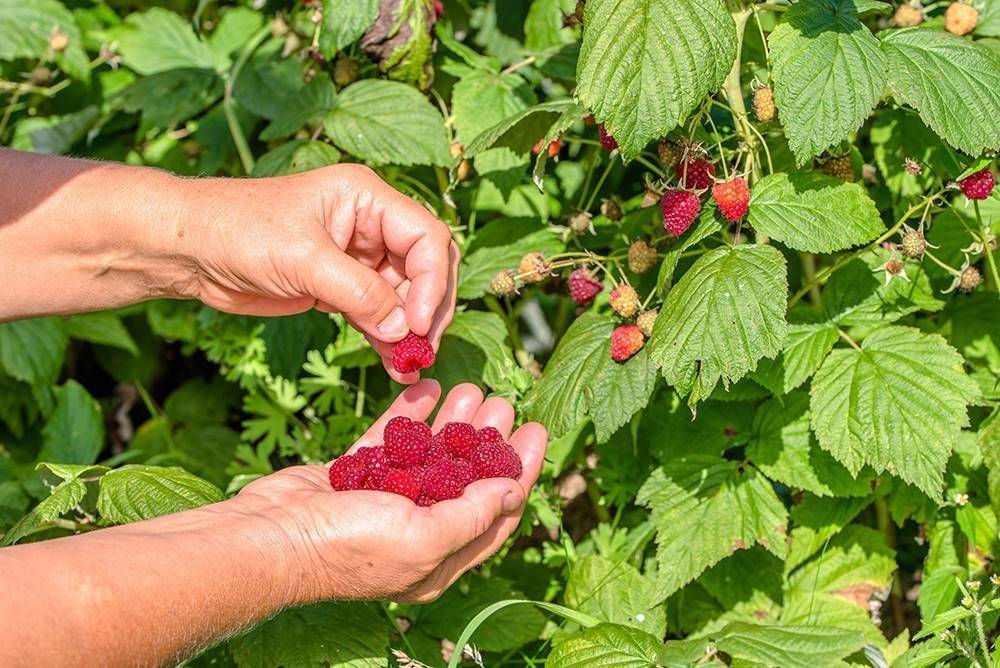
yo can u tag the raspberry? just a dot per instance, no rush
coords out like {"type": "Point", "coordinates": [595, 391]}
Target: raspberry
{"type": "Point", "coordinates": [446, 479]}
{"type": "Point", "coordinates": [437, 452]}
{"type": "Point", "coordinates": [611, 210]}
{"type": "Point", "coordinates": [412, 354]}
{"type": "Point", "coordinates": [670, 154]}
{"type": "Point", "coordinates": [732, 198]}
{"type": "Point", "coordinates": [345, 71]}
{"type": "Point", "coordinates": [907, 16]}
{"type": "Point", "coordinates": [979, 185]}
{"type": "Point", "coordinates": [911, 166]}
{"type": "Point", "coordinates": [533, 268]}
{"type": "Point", "coordinates": [579, 222]}
{"type": "Point", "coordinates": [425, 501]}
{"type": "Point", "coordinates": [461, 438]}
{"type": "Point", "coordinates": [496, 460]}
{"type": "Point", "coordinates": [406, 441]}
{"type": "Point", "coordinates": [969, 279]}
{"type": "Point", "coordinates": [402, 482]}
{"type": "Point", "coordinates": [641, 257]}
{"type": "Point", "coordinates": [841, 167]}
{"type": "Point", "coordinates": [680, 208]}
{"type": "Point", "coordinates": [502, 284]}
{"type": "Point", "coordinates": [607, 141]}
{"type": "Point", "coordinates": [695, 174]}
{"type": "Point", "coordinates": [554, 146]}
{"type": "Point", "coordinates": [894, 267]}
{"type": "Point", "coordinates": [960, 18]}
{"type": "Point", "coordinates": [347, 472]}
{"type": "Point", "coordinates": [913, 244]}
{"type": "Point", "coordinates": [376, 465]}
{"type": "Point", "coordinates": [626, 341]}
{"type": "Point", "coordinates": [583, 287]}
{"type": "Point", "coordinates": [645, 321]}
{"type": "Point", "coordinates": [490, 435]}
{"type": "Point", "coordinates": [58, 41]}
{"type": "Point", "coordinates": [624, 300]}
{"type": "Point", "coordinates": [763, 104]}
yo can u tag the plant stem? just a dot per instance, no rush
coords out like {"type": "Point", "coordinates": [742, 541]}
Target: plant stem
{"type": "Point", "coordinates": [849, 340]}
{"type": "Point", "coordinates": [809, 271]}
{"type": "Point", "coordinates": [985, 237]}
{"type": "Point", "coordinates": [239, 139]}
{"type": "Point", "coordinates": [600, 184]}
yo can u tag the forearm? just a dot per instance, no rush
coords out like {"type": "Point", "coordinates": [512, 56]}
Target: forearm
{"type": "Point", "coordinates": [148, 593]}
{"type": "Point", "coordinates": [81, 236]}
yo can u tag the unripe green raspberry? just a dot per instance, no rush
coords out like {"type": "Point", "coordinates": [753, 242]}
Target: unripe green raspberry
{"type": "Point", "coordinates": [641, 257]}
{"type": "Point", "coordinates": [646, 320]}
{"type": "Point", "coordinates": [502, 283]}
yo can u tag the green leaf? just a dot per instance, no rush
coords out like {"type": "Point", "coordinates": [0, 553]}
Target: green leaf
{"type": "Point", "coordinates": [561, 399]}
{"type": "Point", "coordinates": [64, 497]}
{"type": "Point", "coordinates": [102, 328]}
{"type": "Point", "coordinates": [788, 646]}
{"type": "Point", "coordinates": [310, 103]}
{"type": "Point", "coordinates": [237, 26]}
{"type": "Point", "coordinates": [54, 135]}
{"type": "Point", "coordinates": [615, 592]}
{"type": "Point", "coordinates": [648, 64]}
{"type": "Point", "coordinates": [816, 520]}
{"type": "Point", "coordinates": [521, 131]}
{"type": "Point", "coordinates": [943, 568]}
{"type": "Point", "coordinates": [711, 498]}
{"type": "Point", "coordinates": [169, 98]}
{"type": "Point", "coordinates": [332, 634]}
{"type": "Point", "coordinates": [288, 338]}
{"type": "Point", "coordinates": [857, 294]}
{"type": "Point", "coordinates": [897, 404]}
{"type": "Point", "coordinates": [482, 99]}
{"type": "Point", "coordinates": [133, 493]}
{"type": "Point", "coordinates": [725, 314]}
{"type": "Point", "coordinates": [475, 349]}
{"type": "Point", "coordinates": [828, 73]}
{"type": "Point", "coordinates": [625, 389]}
{"type": "Point", "coordinates": [954, 83]}
{"type": "Point", "coordinates": [32, 350]}
{"type": "Point", "coordinates": [298, 155]}
{"type": "Point", "coordinates": [344, 21]}
{"type": "Point", "coordinates": [785, 450]}
{"type": "Point", "coordinates": [388, 122]}
{"type": "Point", "coordinates": [813, 212]}
{"type": "Point", "coordinates": [159, 40]}
{"type": "Point", "coordinates": [74, 433]}
{"type": "Point", "coordinates": [544, 27]}
{"type": "Point", "coordinates": [806, 346]}
{"type": "Point", "coordinates": [607, 646]}
{"type": "Point", "coordinates": [25, 31]}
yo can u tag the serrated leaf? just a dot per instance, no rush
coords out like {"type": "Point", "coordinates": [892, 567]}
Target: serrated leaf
{"type": "Point", "coordinates": [235, 28]}
{"type": "Point", "coordinates": [159, 40]}
{"type": "Point", "coordinates": [332, 634]}
{"type": "Point", "coordinates": [857, 293]}
{"type": "Point", "coordinates": [54, 135]}
{"type": "Point", "coordinates": [615, 592]}
{"type": "Point", "coordinates": [828, 73]}
{"type": "Point", "coordinates": [388, 122]}
{"type": "Point", "coordinates": [482, 99]}
{"type": "Point", "coordinates": [788, 646]}
{"type": "Point", "coordinates": [33, 350]}
{"type": "Point", "coordinates": [897, 404]}
{"type": "Point", "coordinates": [25, 31]}
{"type": "Point", "coordinates": [625, 389]}
{"type": "Point", "coordinates": [722, 317]}
{"type": "Point", "coordinates": [645, 64]}
{"type": "Point", "coordinates": [560, 400]}
{"type": "Point", "coordinates": [607, 646]}
{"type": "Point", "coordinates": [344, 21]}
{"type": "Point", "coordinates": [475, 349]}
{"type": "Point", "coordinates": [709, 497]}
{"type": "Point", "coordinates": [298, 155]}
{"type": "Point", "coordinates": [521, 131]}
{"type": "Point", "coordinates": [954, 84]}
{"type": "Point", "coordinates": [943, 569]}
{"type": "Point", "coordinates": [706, 225]}
{"type": "Point", "coordinates": [102, 328]}
{"type": "Point", "coordinates": [813, 212]}
{"type": "Point", "coordinates": [785, 450]}
{"type": "Point", "coordinates": [133, 493]}
{"type": "Point", "coordinates": [672, 431]}
{"type": "Point", "coordinates": [816, 520]}
{"type": "Point", "coordinates": [806, 346]}
{"type": "Point", "coordinates": [63, 498]}
{"type": "Point", "coordinates": [168, 98]}
{"type": "Point", "coordinates": [74, 433]}
{"type": "Point", "coordinates": [311, 102]}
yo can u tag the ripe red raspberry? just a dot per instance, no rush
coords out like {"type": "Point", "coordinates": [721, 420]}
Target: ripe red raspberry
{"type": "Point", "coordinates": [680, 209]}
{"type": "Point", "coordinates": [496, 460]}
{"type": "Point", "coordinates": [348, 472]}
{"type": "Point", "coordinates": [732, 198]}
{"type": "Point", "coordinates": [607, 141]}
{"type": "Point", "coordinates": [626, 341]}
{"type": "Point", "coordinates": [437, 451]}
{"type": "Point", "coordinates": [446, 479]}
{"type": "Point", "coordinates": [583, 287]}
{"type": "Point", "coordinates": [425, 501]}
{"type": "Point", "coordinates": [695, 173]}
{"type": "Point", "coordinates": [376, 465]}
{"type": "Point", "coordinates": [401, 481]}
{"type": "Point", "coordinates": [461, 438]}
{"type": "Point", "coordinates": [979, 185]}
{"type": "Point", "coordinates": [624, 300]}
{"type": "Point", "coordinates": [412, 354]}
{"type": "Point", "coordinates": [490, 435]}
{"type": "Point", "coordinates": [406, 441]}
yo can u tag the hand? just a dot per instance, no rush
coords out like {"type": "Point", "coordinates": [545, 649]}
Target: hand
{"type": "Point", "coordinates": [338, 239]}
{"type": "Point", "coordinates": [365, 544]}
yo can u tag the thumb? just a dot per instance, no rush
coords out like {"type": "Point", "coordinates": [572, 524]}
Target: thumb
{"type": "Point", "coordinates": [359, 292]}
{"type": "Point", "coordinates": [472, 514]}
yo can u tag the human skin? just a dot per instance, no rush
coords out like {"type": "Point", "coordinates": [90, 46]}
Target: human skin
{"type": "Point", "coordinates": [82, 236]}
{"type": "Point", "coordinates": [155, 592]}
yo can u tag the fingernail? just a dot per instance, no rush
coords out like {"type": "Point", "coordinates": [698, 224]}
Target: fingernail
{"type": "Point", "coordinates": [394, 326]}
{"type": "Point", "coordinates": [511, 501]}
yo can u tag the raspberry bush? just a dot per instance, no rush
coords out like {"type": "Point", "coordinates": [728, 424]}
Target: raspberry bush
{"type": "Point", "coordinates": [740, 258]}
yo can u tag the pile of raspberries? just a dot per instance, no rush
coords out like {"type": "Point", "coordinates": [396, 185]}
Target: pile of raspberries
{"type": "Point", "coordinates": [427, 468]}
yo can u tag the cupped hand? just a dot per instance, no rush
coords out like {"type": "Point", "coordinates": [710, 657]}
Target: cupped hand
{"type": "Point", "coordinates": [338, 239]}
{"type": "Point", "coordinates": [376, 545]}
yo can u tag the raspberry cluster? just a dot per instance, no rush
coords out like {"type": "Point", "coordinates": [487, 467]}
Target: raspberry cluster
{"type": "Point", "coordinates": [424, 467]}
